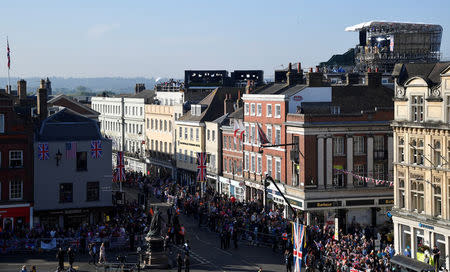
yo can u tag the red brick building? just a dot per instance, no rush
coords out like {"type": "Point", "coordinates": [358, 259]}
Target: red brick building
{"type": "Point", "coordinates": [232, 180]}
{"type": "Point", "coordinates": [343, 163]}
{"type": "Point", "coordinates": [16, 165]}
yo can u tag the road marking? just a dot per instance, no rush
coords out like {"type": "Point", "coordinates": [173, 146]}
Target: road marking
{"type": "Point", "coordinates": [226, 252]}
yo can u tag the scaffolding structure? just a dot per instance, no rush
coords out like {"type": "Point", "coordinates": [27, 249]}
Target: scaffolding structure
{"type": "Point", "coordinates": [383, 44]}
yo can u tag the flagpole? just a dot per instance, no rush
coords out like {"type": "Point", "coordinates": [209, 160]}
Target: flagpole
{"type": "Point", "coordinates": [9, 57]}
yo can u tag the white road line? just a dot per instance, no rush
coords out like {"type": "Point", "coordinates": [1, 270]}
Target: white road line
{"type": "Point", "coordinates": [226, 252]}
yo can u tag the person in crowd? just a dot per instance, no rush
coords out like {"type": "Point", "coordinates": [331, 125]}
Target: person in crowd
{"type": "Point", "coordinates": [436, 255]}
{"type": "Point", "coordinates": [102, 258]}
{"type": "Point", "coordinates": [60, 257]}
{"type": "Point", "coordinates": [288, 260]}
{"type": "Point", "coordinates": [179, 262]}
{"type": "Point", "coordinates": [92, 253]}
{"type": "Point", "coordinates": [71, 256]}
{"type": "Point", "coordinates": [187, 263]}
{"type": "Point", "coordinates": [24, 269]}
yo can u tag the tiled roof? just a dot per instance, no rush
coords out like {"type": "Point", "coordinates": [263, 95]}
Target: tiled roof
{"type": "Point", "coordinates": [66, 125]}
{"type": "Point", "coordinates": [215, 105]}
{"type": "Point", "coordinates": [430, 72]}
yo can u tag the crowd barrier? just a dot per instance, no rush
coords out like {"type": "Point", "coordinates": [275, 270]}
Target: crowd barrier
{"type": "Point", "coordinates": [16, 245]}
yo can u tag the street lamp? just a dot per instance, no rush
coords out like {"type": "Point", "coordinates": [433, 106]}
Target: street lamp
{"type": "Point", "coordinates": [58, 157]}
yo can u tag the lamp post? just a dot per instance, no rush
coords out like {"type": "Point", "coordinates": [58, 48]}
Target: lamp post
{"type": "Point", "coordinates": [58, 157]}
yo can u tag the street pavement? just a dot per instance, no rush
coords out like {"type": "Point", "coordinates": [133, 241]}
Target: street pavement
{"type": "Point", "coordinates": [206, 254]}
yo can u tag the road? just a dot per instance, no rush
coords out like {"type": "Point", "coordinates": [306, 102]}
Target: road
{"type": "Point", "coordinates": [206, 254]}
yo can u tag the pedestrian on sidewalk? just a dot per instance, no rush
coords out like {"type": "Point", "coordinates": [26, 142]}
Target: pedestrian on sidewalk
{"type": "Point", "coordinates": [60, 257]}
{"type": "Point", "coordinates": [24, 269]}
{"type": "Point", "coordinates": [288, 260]}
{"type": "Point", "coordinates": [92, 252]}
{"type": "Point", "coordinates": [182, 233]}
{"type": "Point", "coordinates": [187, 247]}
{"type": "Point", "coordinates": [179, 262]}
{"type": "Point", "coordinates": [71, 256]}
{"type": "Point", "coordinates": [102, 258]}
{"type": "Point", "coordinates": [187, 263]}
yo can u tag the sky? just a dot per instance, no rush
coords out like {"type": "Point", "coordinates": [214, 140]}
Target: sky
{"type": "Point", "coordinates": [164, 38]}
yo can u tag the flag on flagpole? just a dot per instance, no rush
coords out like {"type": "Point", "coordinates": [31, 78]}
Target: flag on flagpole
{"type": "Point", "coordinates": [299, 233]}
{"type": "Point", "coordinates": [262, 136]}
{"type": "Point", "coordinates": [236, 130]}
{"type": "Point", "coordinates": [120, 168]}
{"type": "Point", "coordinates": [8, 53]}
{"type": "Point", "coordinates": [71, 150]}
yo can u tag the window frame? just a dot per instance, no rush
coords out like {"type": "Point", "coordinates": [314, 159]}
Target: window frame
{"type": "Point", "coordinates": [277, 108]}
{"type": "Point", "coordinates": [97, 198]}
{"type": "Point", "coordinates": [16, 151]}
{"type": "Point", "coordinates": [62, 198]}
{"type": "Point", "coordinates": [269, 112]}
{"type": "Point", "coordinates": [78, 165]}
{"type": "Point", "coordinates": [338, 146]}
{"type": "Point", "coordinates": [20, 197]}
{"type": "Point", "coordinates": [258, 109]}
{"type": "Point", "coordinates": [252, 109]}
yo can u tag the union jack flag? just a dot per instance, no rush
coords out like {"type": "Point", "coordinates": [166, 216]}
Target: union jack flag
{"type": "Point", "coordinates": [119, 174]}
{"type": "Point", "coordinates": [201, 166]}
{"type": "Point", "coordinates": [8, 54]}
{"type": "Point", "coordinates": [43, 151]}
{"type": "Point", "coordinates": [96, 149]}
{"type": "Point", "coordinates": [299, 233]}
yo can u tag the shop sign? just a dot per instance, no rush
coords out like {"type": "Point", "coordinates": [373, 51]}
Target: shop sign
{"type": "Point", "coordinates": [298, 98]}
{"type": "Point", "coordinates": [386, 201]}
{"type": "Point", "coordinates": [426, 226]}
{"type": "Point", "coordinates": [295, 202]}
{"type": "Point", "coordinates": [191, 144]}
{"type": "Point", "coordinates": [359, 202]}
{"type": "Point", "coordinates": [324, 204]}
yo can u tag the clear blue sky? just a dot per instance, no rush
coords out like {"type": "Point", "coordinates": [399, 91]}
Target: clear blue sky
{"type": "Point", "coordinates": [163, 38]}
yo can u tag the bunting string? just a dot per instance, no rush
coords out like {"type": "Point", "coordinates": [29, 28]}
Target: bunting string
{"type": "Point", "coordinates": [366, 179]}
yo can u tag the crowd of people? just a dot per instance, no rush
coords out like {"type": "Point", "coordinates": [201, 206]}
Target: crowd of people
{"type": "Point", "coordinates": [356, 249]}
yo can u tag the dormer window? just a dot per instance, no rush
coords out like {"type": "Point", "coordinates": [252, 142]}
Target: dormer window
{"type": "Point", "coordinates": [417, 108]}
{"type": "Point", "coordinates": [196, 110]}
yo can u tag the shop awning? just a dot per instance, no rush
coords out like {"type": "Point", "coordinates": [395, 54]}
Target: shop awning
{"type": "Point", "coordinates": [410, 263]}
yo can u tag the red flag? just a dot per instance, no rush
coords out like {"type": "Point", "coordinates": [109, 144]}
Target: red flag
{"type": "Point", "coordinates": [262, 136]}
{"type": "Point", "coordinates": [8, 53]}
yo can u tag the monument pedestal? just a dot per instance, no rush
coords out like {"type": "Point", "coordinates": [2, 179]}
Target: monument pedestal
{"type": "Point", "coordinates": [155, 256]}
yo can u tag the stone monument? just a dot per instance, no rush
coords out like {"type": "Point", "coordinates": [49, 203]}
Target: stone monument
{"type": "Point", "coordinates": [155, 256]}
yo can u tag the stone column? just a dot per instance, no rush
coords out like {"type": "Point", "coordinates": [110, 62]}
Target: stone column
{"type": "Point", "coordinates": [370, 156]}
{"type": "Point", "coordinates": [349, 158]}
{"type": "Point", "coordinates": [390, 151]}
{"type": "Point", "coordinates": [329, 160]}
{"type": "Point", "coordinates": [397, 237]}
{"type": "Point", "coordinates": [320, 167]}
{"type": "Point", "coordinates": [446, 253]}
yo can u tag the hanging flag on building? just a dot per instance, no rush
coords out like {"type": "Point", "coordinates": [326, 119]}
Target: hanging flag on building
{"type": "Point", "coordinates": [298, 235]}
{"type": "Point", "coordinates": [262, 136]}
{"type": "Point", "coordinates": [201, 166]}
{"type": "Point", "coordinates": [43, 151]}
{"type": "Point", "coordinates": [236, 130]}
{"type": "Point", "coordinates": [96, 149]}
{"type": "Point", "coordinates": [71, 150]}
{"type": "Point", "coordinates": [119, 174]}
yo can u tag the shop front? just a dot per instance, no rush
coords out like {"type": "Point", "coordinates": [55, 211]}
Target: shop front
{"type": "Point", "coordinates": [16, 216]}
{"type": "Point", "coordinates": [253, 191]}
{"type": "Point", "coordinates": [72, 218]}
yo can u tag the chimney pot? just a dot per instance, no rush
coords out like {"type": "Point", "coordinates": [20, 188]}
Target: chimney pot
{"type": "Point", "coordinates": [317, 69]}
{"type": "Point", "coordinates": [22, 89]}
{"type": "Point", "coordinates": [43, 85]}
{"type": "Point", "coordinates": [310, 70]}
{"type": "Point", "coordinates": [369, 70]}
{"type": "Point", "coordinates": [376, 70]}
{"type": "Point", "coordinates": [299, 67]}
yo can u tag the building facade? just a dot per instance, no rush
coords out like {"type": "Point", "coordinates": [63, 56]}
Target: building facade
{"type": "Point", "coordinates": [70, 172]}
{"type": "Point", "coordinates": [122, 119]}
{"type": "Point", "coordinates": [421, 214]}
{"type": "Point", "coordinates": [16, 167]}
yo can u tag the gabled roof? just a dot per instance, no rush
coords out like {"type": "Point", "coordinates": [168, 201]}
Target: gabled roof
{"type": "Point", "coordinates": [67, 125]}
{"type": "Point", "coordinates": [215, 105]}
{"type": "Point", "coordinates": [70, 103]}
{"type": "Point", "coordinates": [430, 72]}
{"type": "Point", "coordinates": [237, 114]}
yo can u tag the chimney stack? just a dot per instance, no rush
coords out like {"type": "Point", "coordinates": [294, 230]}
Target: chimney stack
{"type": "Point", "coordinates": [42, 101]}
{"type": "Point", "coordinates": [314, 79]}
{"type": "Point", "coordinates": [351, 78]}
{"type": "Point", "coordinates": [48, 86]}
{"type": "Point", "coordinates": [228, 104]}
{"type": "Point", "coordinates": [239, 102]}
{"type": "Point", "coordinates": [373, 79]}
{"type": "Point", "coordinates": [22, 89]}
{"type": "Point", "coordinates": [139, 88]}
